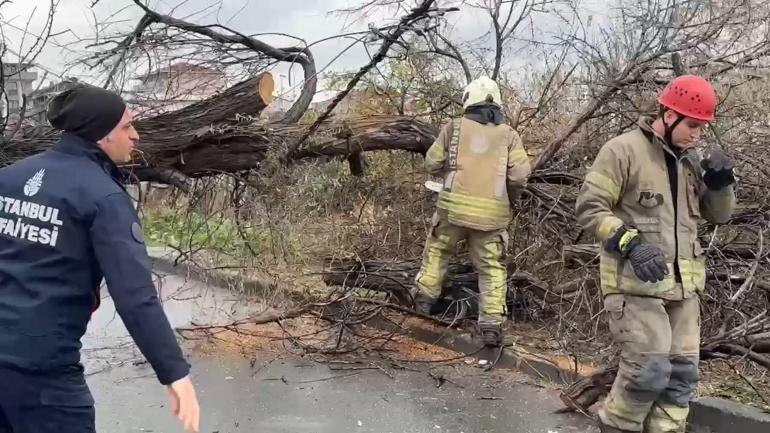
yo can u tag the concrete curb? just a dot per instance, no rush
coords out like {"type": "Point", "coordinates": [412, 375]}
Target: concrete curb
{"type": "Point", "coordinates": [458, 341]}
{"type": "Point", "coordinates": [712, 415]}
{"type": "Point", "coordinates": [164, 259]}
{"type": "Point", "coordinates": [707, 415]}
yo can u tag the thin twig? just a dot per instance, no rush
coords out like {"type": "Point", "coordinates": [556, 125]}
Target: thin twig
{"type": "Point", "coordinates": [391, 38]}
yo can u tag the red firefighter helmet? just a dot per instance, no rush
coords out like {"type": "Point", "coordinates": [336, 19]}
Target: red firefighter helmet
{"type": "Point", "coordinates": [691, 96]}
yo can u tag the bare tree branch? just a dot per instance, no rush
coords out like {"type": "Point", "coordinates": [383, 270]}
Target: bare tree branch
{"type": "Point", "coordinates": [415, 15]}
{"type": "Point", "coordinates": [454, 54]}
{"type": "Point", "coordinates": [22, 115]}
{"type": "Point", "coordinates": [125, 45]}
{"type": "Point", "coordinates": [40, 41]}
{"type": "Point", "coordinates": [300, 55]}
{"type": "Point", "coordinates": [26, 59]}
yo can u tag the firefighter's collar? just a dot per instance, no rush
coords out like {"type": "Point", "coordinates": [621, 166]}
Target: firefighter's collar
{"type": "Point", "coordinates": [645, 125]}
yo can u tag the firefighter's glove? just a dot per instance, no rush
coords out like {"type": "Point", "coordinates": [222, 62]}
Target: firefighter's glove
{"type": "Point", "coordinates": [647, 260]}
{"type": "Point", "coordinates": [514, 193]}
{"type": "Point", "coordinates": [718, 170]}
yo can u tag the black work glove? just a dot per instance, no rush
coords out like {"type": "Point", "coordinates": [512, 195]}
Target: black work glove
{"type": "Point", "coordinates": [647, 260]}
{"type": "Point", "coordinates": [514, 193]}
{"type": "Point", "coordinates": [718, 171]}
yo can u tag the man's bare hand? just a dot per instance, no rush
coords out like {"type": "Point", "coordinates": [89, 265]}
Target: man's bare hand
{"type": "Point", "coordinates": [184, 404]}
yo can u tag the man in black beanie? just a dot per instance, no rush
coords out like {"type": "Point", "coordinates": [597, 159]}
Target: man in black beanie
{"type": "Point", "coordinates": [66, 222]}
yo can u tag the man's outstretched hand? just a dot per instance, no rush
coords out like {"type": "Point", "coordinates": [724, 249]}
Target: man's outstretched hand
{"type": "Point", "coordinates": [184, 404]}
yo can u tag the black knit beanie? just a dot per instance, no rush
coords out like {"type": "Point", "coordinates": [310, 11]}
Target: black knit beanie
{"type": "Point", "coordinates": [87, 111]}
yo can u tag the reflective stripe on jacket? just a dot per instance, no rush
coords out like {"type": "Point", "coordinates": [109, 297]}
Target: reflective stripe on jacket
{"type": "Point", "coordinates": [486, 161]}
{"type": "Point", "coordinates": [630, 183]}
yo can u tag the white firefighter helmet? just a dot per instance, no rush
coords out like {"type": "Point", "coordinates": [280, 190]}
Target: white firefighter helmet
{"type": "Point", "coordinates": [482, 89]}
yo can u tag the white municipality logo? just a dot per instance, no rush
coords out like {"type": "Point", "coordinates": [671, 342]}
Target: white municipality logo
{"type": "Point", "coordinates": [32, 186]}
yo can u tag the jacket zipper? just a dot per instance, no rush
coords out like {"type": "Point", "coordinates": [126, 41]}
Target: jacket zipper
{"type": "Point", "coordinates": [674, 186]}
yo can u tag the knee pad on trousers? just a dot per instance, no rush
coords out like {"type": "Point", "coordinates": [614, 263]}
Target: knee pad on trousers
{"type": "Point", "coordinates": [649, 378]}
{"type": "Point", "coordinates": [684, 379]}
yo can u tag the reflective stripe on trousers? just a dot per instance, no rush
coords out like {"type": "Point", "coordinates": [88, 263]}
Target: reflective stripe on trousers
{"type": "Point", "coordinates": [487, 249]}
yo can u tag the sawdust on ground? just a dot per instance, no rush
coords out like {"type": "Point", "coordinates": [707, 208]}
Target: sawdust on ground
{"type": "Point", "coordinates": [292, 335]}
{"type": "Point", "coordinates": [737, 381]}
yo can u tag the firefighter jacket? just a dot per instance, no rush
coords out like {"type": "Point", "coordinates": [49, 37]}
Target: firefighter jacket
{"type": "Point", "coordinates": [479, 163]}
{"type": "Point", "coordinates": [637, 180]}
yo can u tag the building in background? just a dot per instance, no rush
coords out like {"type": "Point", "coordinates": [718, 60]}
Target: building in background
{"type": "Point", "coordinates": [18, 79]}
{"type": "Point", "coordinates": [173, 87]}
{"type": "Point", "coordinates": [38, 99]}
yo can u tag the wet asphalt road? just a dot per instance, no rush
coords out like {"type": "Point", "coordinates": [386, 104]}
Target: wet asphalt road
{"type": "Point", "coordinates": [293, 395]}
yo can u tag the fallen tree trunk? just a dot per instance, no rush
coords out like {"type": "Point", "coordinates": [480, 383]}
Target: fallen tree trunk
{"type": "Point", "coordinates": [208, 137]}
{"type": "Point", "coordinates": [169, 134]}
{"type": "Point", "coordinates": [165, 139]}
{"type": "Point", "coordinates": [238, 147]}
{"type": "Point", "coordinates": [203, 149]}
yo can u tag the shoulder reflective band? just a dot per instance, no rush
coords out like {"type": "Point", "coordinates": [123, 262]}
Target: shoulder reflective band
{"type": "Point", "coordinates": [454, 143]}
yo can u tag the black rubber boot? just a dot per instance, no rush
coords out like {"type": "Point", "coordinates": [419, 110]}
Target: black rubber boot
{"type": "Point", "coordinates": [491, 334]}
{"type": "Point", "coordinates": [423, 303]}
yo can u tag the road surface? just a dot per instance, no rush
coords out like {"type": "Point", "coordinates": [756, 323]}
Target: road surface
{"type": "Point", "coordinates": [292, 395]}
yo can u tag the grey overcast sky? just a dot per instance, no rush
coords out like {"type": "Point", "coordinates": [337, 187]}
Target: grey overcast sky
{"type": "Point", "coordinates": [74, 19]}
{"type": "Point", "coordinates": [307, 19]}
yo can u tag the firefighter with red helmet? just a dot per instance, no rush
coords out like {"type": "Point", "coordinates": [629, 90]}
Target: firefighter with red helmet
{"type": "Point", "coordinates": [643, 198]}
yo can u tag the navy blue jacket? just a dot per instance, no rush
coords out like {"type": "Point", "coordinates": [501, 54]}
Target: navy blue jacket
{"type": "Point", "coordinates": [66, 221]}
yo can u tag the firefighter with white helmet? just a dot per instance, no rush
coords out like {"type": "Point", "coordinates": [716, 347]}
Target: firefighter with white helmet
{"type": "Point", "coordinates": [484, 167]}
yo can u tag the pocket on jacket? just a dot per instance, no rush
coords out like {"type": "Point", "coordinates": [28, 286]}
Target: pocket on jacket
{"type": "Point", "coordinates": [435, 220]}
{"type": "Point", "coordinates": [615, 306]}
{"type": "Point", "coordinates": [650, 199]}
{"type": "Point", "coordinates": [697, 248]}
{"type": "Point", "coordinates": [504, 244]}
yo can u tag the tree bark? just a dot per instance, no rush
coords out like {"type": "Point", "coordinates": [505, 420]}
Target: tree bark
{"type": "Point", "coordinates": [238, 147]}
{"type": "Point", "coordinates": [194, 145]}
{"type": "Point", "coordinates": [167, 137]}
